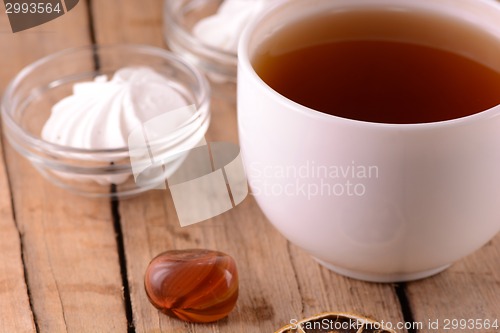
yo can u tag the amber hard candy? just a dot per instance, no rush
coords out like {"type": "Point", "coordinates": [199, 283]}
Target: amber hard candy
{"type": "Point", "coordinates": [193, 285]}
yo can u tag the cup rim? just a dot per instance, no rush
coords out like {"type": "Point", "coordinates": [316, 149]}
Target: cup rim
{"type": "Point", "coordinates": [244, 63]}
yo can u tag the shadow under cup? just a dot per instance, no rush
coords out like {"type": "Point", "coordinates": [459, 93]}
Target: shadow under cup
{"type": "Point", "coordinates": [374, 201]}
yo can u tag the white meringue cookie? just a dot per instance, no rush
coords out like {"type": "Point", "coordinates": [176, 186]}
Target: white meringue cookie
{"type": "Point", "coordinates": [223, 29]}
{"type": "Point", "coordinates": [101, 114]}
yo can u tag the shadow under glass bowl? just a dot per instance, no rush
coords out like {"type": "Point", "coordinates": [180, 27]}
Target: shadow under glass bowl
{"type": "Point", "coordinates": [107, 173]}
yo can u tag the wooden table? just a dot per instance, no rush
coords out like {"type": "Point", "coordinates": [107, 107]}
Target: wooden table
{"type": "Point", "coordinates": [70, 264]}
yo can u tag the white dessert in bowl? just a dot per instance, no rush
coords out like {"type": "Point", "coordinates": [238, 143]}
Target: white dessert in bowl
{"type": "Point", "coordinates": [223, 29]}
{"type": "Point", "coordinates": [101, 114]}
{"type": "Point", "coordinates": [207, 34]}
{"type": "Point", "coordinates": [83, 145]}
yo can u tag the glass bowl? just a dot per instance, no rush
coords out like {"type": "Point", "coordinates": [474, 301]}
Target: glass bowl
{"type": "Point", "coordinates": [179, 18]}
{"type": "Point", "coordinates": [108, 173]}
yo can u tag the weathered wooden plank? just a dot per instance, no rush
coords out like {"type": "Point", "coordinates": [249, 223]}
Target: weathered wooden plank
{"type": "Point", "coordinates": [470, 289]}
{"type": "Point", "coordinates": [278, 281]}
{"type": "Point", "coordinates": [128, 21]}
{"type": "Point", "coordinates": [322, 290]}
{"type": "Point", "coordinates": [69, 245]}
{"type": "Point", "coordinates": [15, 311]}
{"type": "Point", "coordinates": [70, 251]}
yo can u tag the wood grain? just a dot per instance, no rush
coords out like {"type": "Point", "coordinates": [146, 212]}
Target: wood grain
{"type": "Point", "coordinates": [71, 280]}
{"type": "Point", "coordinates": [68, 243]}
{"type": "Point", "coordinates": [278, 282]}
{"type": "Point", "coordinates": [15, 313]}
{"type": "Point", "coordinates": [470, 289]}
{"type": "Point", "coordinates": [119, 21]}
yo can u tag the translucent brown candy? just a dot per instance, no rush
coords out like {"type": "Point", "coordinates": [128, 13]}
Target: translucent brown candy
{"type": "Point", "coordinates": [335, 323]}
{"type": "Point", "coordinates": [193, 285]}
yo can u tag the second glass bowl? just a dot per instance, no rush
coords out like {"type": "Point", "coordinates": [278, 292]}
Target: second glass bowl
{"type": "Point", "coordinates": [179, 18]}
{"type": "Point", "coordinates": [28, 100]}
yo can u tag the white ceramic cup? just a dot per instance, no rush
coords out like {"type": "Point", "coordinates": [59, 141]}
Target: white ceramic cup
{"type": "Point", "coordinates": [373, 201]}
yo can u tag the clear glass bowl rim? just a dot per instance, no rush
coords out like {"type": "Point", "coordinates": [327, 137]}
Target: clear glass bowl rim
{"type": "Point", "coordinates": [189, 38]}
{"type": "Point", "coordinates": [48, 147]}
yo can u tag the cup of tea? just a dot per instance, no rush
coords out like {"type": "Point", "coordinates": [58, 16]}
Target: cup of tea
{"type": "Point", "coordinates": [370, 130]}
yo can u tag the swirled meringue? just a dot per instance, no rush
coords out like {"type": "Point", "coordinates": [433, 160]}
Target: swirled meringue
{"type": "Point", "coordinates": [101, 114]}
{"type": "Point", "coordinates": [223, 29]}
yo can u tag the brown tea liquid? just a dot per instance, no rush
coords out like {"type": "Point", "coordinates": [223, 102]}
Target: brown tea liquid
{"type": "Point", "coordinates": [383, 66]}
